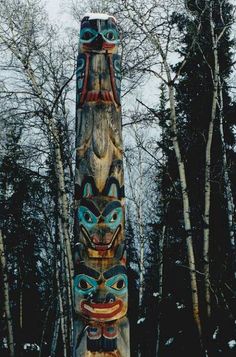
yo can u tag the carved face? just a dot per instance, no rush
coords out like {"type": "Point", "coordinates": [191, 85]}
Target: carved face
{"type": "Point", "coordinates": [100, 217]}
{"type": "Point", "coordinates": [99, 34]}
{"type": "Point", "coordinates": [100, 221]}
{"type": "Point", "coordinates": [101, 296]}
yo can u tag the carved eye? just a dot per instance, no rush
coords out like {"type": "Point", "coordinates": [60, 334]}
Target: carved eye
{"type": "Point", "coordinates": [87, 217]}
{"type": "Point", "coordinates": [119, 285]}
{"type": "Point", "coordinates": [87, 35]}
{"type": "Point", "coordinates": [114, 217]}
{"type": "Point", "coordinates": [110, 36]}
{"type": "Point", "coordinates": [84, 285]}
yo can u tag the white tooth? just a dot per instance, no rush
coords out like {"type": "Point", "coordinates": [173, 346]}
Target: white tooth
{"type": "Point", "coordinates": [101, 310]}
{"type": "Point", "coordinates": [89, 308]}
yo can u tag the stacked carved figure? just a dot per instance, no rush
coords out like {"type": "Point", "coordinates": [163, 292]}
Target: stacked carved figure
{"type": "Point", "coordinates": [100, 282]}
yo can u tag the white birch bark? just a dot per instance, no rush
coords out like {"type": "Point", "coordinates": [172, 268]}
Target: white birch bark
{"type": "Point", "coordinates": [65, 291]}
{"type": "Point", "coordinates": [160, 282]}
{"type": "Point", "coordinates": [156, 42]}
{"type": "Point", "coordinates": [55, 334]}
{"type": "Point", "coordinates": [137, 198]}
{"type": "Point", "coordinates": [49, 123]}
{"type": "Point", "coordinates": [7, 308]}
{"type": "Point", "coordinates": [62, 315]}
{"type": "Point", "coordinates": [228, 190]}
{"type": "Point", "coordinates": [186, 208]}
{"type": "Point", "coordinates": [206, 217]}
{"type": "Point", "coordinates": [141, 233]}
{"type": "Point", "coordinates": [207, 191]}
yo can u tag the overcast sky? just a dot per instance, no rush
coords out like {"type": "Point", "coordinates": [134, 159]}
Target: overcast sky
{"type": "Point", "coordinates": [58, 11]}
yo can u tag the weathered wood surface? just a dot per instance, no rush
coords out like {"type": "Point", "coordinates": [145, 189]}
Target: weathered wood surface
{"type": "Point", "coordinates": [101, 327]}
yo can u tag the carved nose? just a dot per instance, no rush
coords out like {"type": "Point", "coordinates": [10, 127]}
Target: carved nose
{"type": "Point", "coordinates": [110, 298]}
{"type": "Point", "coordinates": [101, 298]}
{"type": "Point", "coordinates": [101, 220]}
{"type": "Point", "coordinates": [99, 41]}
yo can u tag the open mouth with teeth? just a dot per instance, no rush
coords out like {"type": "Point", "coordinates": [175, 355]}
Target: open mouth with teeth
{"type": "Point", "coordinates": [105, 312]}
{"type": "Point", "coordinates": [97, 243]}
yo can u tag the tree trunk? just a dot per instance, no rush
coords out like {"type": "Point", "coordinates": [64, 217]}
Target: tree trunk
{"type": "Point", "coordinates": [160, 283]}
{"type": "Point", "coordinates": [228, 190]}
{"type": "Point", "coordinates": [181, 168]}
{"type": "Point", "coordinates": [186, 209]}
{"type": "Point", "coordinates": [6, 298]}
{"type": "Point", "coordinates": [141, 234]}
{"type": "Point", "coordinates": [62, 315]}
{"type": "Point", "coordinates": [53, 136]}
{"type": "Point", "coordinates": [207, 190]}
{"type": "Point", "coordinates": [66, 284]}
{"type": "Point", "coordinates": [55, 334]}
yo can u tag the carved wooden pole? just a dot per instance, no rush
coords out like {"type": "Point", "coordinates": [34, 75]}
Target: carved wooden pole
{"type": "Point", "coordinates": [100, 282]}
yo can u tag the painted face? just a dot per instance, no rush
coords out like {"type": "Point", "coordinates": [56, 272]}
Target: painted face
{"type": "Point", "coordinates": [100, 217]}
{"type": "Point", "coordinates": [101, 296]}
{"type": "Point", "coordinates": [100, 221]}
{"type": "Point", "coordinates": [99, 34]}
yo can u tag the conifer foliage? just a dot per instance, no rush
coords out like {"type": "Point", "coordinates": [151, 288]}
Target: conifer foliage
{"type": "Point", "coordinates": [179, 113]}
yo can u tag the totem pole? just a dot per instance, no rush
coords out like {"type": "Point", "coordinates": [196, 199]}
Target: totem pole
{"type": "Point", "coordinates": [100, 284]}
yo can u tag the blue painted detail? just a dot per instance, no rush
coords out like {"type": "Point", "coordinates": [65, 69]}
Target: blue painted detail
{"type": "Point", "coordinates": [118, 284]}
{"type": "Point", "coordinates": [88, 190]}
{"type": "Point", "coordinates": [84, 284]}
{"type": "Point", "coordinates": [88, 35]}
{"type": "Point", "coordinates": [87, 218]}
{"type": "Point", "coordinates": [117, 65]}
{"type": "Point", "coordinates": [113, 219]}
{"type": "Point", "coordinates": [80, 75]}
{"type": "Point", "coordinates": [80, 83]}
{"type": "Point", "coordinates": [80, 64]}
{"type": "Point", "coordinates": [110, 36]}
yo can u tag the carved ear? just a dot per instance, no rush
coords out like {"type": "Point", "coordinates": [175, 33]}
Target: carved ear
{"type": "Point", "coordinates": [87, 191]}
{"type": "Point", "coordinates": [112, 188]}
{"type": "Point", "coordinates": [113, 191]}
{"type": "Point", "coordinates": [88, 188]}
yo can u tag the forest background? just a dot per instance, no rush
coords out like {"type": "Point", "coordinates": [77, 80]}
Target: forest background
{"type": "Point", "coordinates": [179, 116]}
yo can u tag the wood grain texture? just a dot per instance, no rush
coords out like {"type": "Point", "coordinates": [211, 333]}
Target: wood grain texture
{"type": "Point", "coordinates": [100, 292]}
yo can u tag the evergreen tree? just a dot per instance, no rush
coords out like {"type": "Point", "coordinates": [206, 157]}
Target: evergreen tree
{"type": "Point", "coordinates": [21, 198]}
{"type": "Point", "coordinates": [194, 96]}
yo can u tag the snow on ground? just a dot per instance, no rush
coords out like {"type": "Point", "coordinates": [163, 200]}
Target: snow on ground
{"type": "Point", "coordinates": [169, 341]}
{"type": "Point", "coordinates": [180, 306]}
{"type": "Point", "coordinates": [215, 333]}
{"type": "Point", "coordinates": [31, 347]}
{"type": "Point", "coordinates": [178, 262]}
{"type": "Point", "coordinates": [232, 343]}
{"type": "Point", "coordinates": [140, 321]}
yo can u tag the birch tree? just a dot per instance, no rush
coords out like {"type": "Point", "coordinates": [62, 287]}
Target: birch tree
{"type": "Point", "coordinates": [136, 196]}
{"type": "Point", "coordinates": [40, 70]}
{"type": "Point", "coordinates": [6, 290]}
{"type": "Point", "coordinates": [143, 21]}
{"type": "Point", "coordinates": [218, 20]}
{"type": "Point", "coordinates": [203, 89]}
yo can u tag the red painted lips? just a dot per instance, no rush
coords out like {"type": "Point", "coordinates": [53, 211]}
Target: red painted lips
{"type": "Point", "coordinates": [99, 47]}
{"type": "Point", "coordinates": [104, 243]}
{"type": "Point", "coordinates": [101, 311]}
